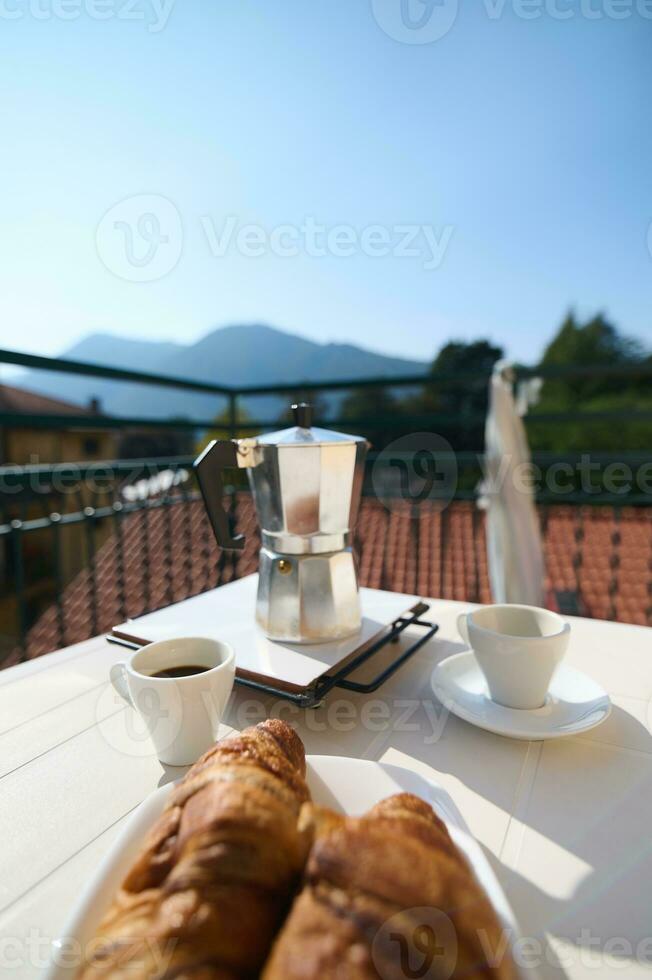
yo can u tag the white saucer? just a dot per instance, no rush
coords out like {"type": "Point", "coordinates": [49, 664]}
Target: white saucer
{"type": "Point", "coordinates": [575, 702]}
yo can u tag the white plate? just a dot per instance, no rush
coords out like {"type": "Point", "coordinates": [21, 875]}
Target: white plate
{"type": "Point", "coordinates": [575, 702]}
{"type": "Point", "coordinates": [349, 786]}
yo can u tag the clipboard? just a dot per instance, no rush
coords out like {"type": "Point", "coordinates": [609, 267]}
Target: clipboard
{"type": "Point", "coordinates": [303, 673]}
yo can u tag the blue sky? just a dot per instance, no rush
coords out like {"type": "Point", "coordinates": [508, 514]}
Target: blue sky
{"type": "Point", "coordinates": [523, 144]}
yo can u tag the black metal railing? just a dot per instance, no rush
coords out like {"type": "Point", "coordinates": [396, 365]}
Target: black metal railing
{"type": "Point", "coordinates": [60, 521]}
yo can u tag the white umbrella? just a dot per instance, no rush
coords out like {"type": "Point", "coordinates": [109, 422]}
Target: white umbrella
{"type": "Point", "coordinates": [514, 547]}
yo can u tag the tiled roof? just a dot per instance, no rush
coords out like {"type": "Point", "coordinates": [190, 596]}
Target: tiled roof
{"type": "Point", "coordinates": [21, 400]}
{"type": "Point", "coordinates": [168, 553]}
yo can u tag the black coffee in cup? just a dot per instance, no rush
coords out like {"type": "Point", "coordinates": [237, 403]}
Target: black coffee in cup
{"type": "Point", "coordinates": [185, 670]}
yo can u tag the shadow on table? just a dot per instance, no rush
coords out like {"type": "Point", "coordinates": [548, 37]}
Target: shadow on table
{"type": "Point", "coordinates": [348, 723]}
{"type": "Point", "coordinates": [589, 797]}
{"type": "Point", "coordinates": [582, 953]}
{"type": "Point", "coordinates": [536, 950]}
{"type": "Point", "coordinates": [170, 773]}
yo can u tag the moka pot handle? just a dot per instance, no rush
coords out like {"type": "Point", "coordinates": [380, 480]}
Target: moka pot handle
{"type": "Point", "coordinates": [209, 467]}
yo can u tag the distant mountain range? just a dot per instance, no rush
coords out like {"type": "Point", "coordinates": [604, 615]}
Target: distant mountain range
{"type": "Point", "coordinates": [234, 355]}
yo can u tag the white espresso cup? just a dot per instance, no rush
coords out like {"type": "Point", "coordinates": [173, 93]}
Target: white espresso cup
{"type": "Point", "coordinates": [182, 714]}
{"type": "Point", "coordinates": [518, 649]}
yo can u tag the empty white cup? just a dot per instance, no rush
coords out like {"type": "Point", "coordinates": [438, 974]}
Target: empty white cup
{"type": "Point", "coordinates": [518, 649]}
{"type": "Point", "coordinates": [181, 714]}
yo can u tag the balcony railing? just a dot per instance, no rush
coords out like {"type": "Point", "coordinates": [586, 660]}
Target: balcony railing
{"type": "Point", "coordinates": [106, 536]}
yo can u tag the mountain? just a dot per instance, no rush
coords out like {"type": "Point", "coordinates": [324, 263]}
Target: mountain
{"type": "Point", "coordinates": [104, 348]}
{"type": "Point", "coordinates": [233, 355]}
{"type": "Point", "coordinates": [101, 348]}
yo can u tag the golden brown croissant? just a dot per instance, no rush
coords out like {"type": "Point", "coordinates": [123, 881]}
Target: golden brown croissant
{"type": "Point", "coordinates": [388, 896]}
{"type": "Point", "coordinates": [210, 889]}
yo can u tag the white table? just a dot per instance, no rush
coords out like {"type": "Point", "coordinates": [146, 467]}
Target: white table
{"type": "Point", "coordinates": [566, 824]}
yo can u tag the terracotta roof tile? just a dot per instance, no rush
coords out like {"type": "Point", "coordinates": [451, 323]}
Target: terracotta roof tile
{"type": "Point", "coordinates": [168, 553]}
{"type": "Point", "coordinates": [22, 400]}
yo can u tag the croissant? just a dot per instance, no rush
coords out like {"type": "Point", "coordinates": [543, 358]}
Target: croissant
{"type": "Point", "coordinates": [388, 896]}
{"type": "Point", "coordinates": [218, 870]}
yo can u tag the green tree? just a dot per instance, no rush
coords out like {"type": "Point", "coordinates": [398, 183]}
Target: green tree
{"type": "Point", "coordinates": [458, 357]}
{"type": "Point", "coordinates": [597, 342]}
{"type": "Point", "coordinates": [459, 396]}
{"type": "Point", "coordinates": [373, 407]}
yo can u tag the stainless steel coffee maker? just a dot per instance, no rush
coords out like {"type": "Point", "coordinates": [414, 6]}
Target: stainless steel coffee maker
{"type": "Point", "coordinates": [306, 483]}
